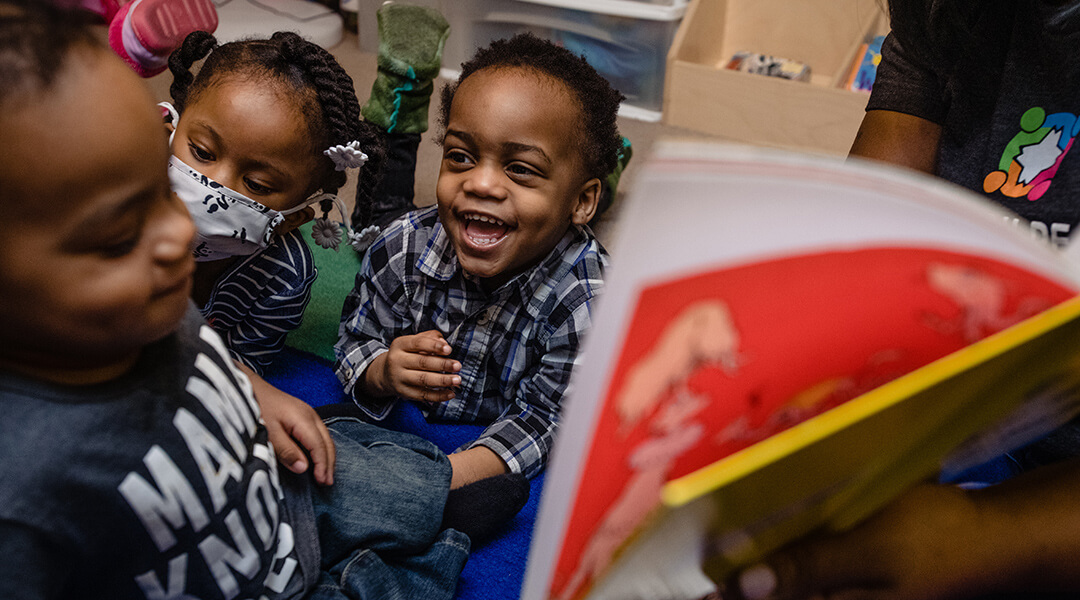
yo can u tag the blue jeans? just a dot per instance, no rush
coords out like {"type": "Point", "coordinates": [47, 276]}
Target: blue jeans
{"type": "Point", "coordinates": [379, 524]}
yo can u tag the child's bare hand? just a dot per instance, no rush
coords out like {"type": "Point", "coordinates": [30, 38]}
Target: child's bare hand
{"type": "Point", "coordinates": [416, 367]}
{"type": "Point", "coordinates": [295, 430]}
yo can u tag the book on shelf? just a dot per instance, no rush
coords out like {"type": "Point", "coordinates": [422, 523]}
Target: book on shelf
{"type": "Point", "coordinates": [785, 344]}
{"type": "Point", "coordinates": [864, 70]}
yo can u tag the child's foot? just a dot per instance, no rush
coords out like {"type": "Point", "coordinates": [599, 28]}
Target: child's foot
{"type": "Point", "coordinates": [162, 25]}
{"type": "Point", "coordinates": [145, 32]}
{"type": "Point", "coordinates": [411, 40]}
{"type": "Point", "coordinates": [480, 509]}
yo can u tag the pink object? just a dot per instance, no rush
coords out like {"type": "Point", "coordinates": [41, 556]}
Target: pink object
{"type": "Point", "coordinates": [145, 32]}
{"type": "Point", "coordinates": [162, 25]}
{"type": "Point", "coordinates": [104, 8]}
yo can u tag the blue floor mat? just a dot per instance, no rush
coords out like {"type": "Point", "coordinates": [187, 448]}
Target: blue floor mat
{"type": "Point", "coordinates": [495, 570]}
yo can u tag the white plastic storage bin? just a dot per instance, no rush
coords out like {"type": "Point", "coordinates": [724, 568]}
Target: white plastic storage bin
{"type": "Point", "coordinates": [627, 41]}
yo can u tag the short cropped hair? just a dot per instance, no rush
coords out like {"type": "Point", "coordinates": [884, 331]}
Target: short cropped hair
{"type": "Point", "coordinates": [599, 102]}
{"type": "Point", "coordinates": [35, 42]}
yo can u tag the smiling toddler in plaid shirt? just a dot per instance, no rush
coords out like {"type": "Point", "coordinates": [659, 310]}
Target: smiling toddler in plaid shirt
{"type": "Point", "coordinates": [476, 307]}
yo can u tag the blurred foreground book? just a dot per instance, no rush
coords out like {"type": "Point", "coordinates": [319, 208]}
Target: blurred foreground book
{"type": "Point", "coordinates": [785, 344]}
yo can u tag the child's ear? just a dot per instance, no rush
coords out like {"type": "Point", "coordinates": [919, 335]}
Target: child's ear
{"type": "Point", "coordinates": [587, 201]}
{"type": "Point", "coordinates": [294, 220]}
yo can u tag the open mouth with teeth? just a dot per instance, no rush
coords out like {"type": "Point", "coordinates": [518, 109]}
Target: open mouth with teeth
{"type": "Point", "coordinates": [484, 231]}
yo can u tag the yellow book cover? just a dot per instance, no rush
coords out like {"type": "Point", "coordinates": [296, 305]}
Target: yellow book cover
{"type": "Point", "coordinates": [785, 343]}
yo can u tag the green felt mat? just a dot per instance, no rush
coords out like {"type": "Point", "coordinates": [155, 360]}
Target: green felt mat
{"type": "Point", "coordinates": [337, 273]}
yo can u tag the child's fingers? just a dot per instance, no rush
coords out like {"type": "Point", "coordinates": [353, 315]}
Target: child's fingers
{"type": "Point", "coordinates": [430, 342]}
{"type": "Point", "coordinates": [286, 448]}
{"type": "Point", "coordinates": [315, 438]}
{"type": "Point", "coordinates": [430, 380]}
{"type": "Point", "coordinates": [304, 433]}
{"type": "Point", "coordinates": [432, 364]}
{"type": "Point", "coordinates": [410, 381]}
{"type": "Point", "coordinates": [428, 386]}
{"type": "Point", "coordinates": [427, 394]}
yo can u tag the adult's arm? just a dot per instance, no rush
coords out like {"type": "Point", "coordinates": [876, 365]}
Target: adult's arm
{"type": "Point", "coordinates": [939, 541]}
{"type": "Point", "coordinates": [902, 121]}
{"type": "Point", "coordinates": [898, 138]}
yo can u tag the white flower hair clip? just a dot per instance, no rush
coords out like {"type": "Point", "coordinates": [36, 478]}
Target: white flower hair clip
{"type": "Point", "coordinates": [348, 156]}
{"type": "Point", "coordinates": [360, 240]}
{"type": "Point", "coordinates": [327, 233]}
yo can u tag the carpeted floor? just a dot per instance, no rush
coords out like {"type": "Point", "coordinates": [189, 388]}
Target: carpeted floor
{"type": "Point", "coordinates": [337, 273]}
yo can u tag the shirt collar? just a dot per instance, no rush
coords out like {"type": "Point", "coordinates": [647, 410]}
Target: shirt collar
{"type": "Point", "coordinates": [553, 267]}
{"type": "Point", "coordinates": [439, 261]}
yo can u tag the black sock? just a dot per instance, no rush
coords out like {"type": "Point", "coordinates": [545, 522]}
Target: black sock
{"type": "Point", "coordinates": [341, 409]}
{"type": "Point", "coordinates": [480, 509]}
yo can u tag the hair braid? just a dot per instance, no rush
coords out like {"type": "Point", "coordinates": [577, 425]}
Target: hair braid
{"type": "Point", "coordinates": [196, 47]}
{"type": "Point", "coordinates": [340, 107]}
{"type": "Point", "coordinates": [371, 173]}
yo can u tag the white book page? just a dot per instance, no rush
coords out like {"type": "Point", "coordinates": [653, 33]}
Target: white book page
{"type": "Point", "coordinates": [698, 206]}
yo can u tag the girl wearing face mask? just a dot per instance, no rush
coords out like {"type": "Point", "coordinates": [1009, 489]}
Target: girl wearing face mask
{"type": "Point", "coordinates": [264, 135]}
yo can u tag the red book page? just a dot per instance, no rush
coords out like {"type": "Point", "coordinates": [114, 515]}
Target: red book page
{"type": "Point", "coordinates": [715, 362]}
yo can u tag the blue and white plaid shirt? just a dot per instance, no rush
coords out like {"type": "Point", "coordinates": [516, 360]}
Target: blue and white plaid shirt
{"type": "Point", "coordinates": [516, 345]}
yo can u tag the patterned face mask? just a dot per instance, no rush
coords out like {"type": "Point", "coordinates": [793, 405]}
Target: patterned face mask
{"type": "Point", "coordinates": [228, 223]}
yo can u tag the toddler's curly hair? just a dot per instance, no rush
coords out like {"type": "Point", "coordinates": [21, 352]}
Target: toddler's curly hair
{"type": "Point", "coordinates": [599, 102]}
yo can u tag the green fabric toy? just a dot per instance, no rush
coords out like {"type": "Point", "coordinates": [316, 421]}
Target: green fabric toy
{"type": "Point", "coordinates": [411, 40]}
{"type": "Point", "coordinates": [611, 183]}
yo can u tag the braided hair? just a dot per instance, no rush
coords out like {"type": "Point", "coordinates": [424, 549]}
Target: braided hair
{"type": "Point", "coordinates": [323, 89]}
{"type": "Point", "coordinates": [598, 130]}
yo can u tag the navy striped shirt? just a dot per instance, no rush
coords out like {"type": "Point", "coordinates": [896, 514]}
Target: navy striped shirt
{"type": "Point", "coordinates": [258, 301]}
{"type": "Point", "coordinates": [516, 345]}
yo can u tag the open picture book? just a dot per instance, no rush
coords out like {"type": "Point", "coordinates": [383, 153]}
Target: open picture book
{"type": "Point", "coordinates": [785, 343]}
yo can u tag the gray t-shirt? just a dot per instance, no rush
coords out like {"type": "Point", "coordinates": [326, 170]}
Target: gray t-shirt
{"type": "Point", "coordinates": [1009, 116]}
{"type": "Point", "coordinates": [159, 484]}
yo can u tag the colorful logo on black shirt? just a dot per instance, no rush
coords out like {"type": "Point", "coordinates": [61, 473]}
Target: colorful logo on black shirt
{"type": "Point", "coordinates": [1033, 156]}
